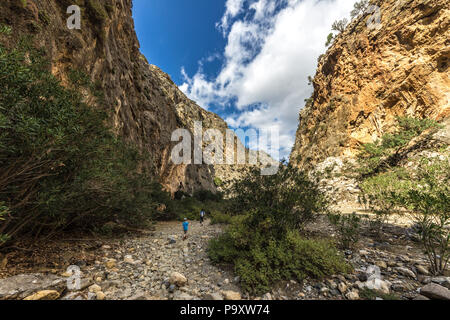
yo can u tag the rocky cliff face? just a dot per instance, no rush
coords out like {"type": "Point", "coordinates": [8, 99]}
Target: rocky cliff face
{"type": "Point", "coordinates": [145, 105]}
{"type": "Point", "coordinates": [370, 76]}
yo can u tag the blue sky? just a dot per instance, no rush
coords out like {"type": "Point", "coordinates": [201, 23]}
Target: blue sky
{"type": "Point", "coordinates": [246, 60]}
{"type": "Point", "coordinates": [179, 33]}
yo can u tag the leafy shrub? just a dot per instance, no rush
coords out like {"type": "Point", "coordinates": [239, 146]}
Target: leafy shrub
{"type": "Point", "coordinates": [380, 195]}
{"type": "Point", "coordinates": [421, 190]}
{"type": "Point", "coordinates": [370, 294]}
{"type": "Point", "coordinates": [330, 39]}
{"type": "Point", "coordinates": [218, 182]}
{"type": "Point", "coordinates": [339, 25]}
{"type": "Point", "coordinates": [348, 227]}
{"type": "Point", "coordinates": [287, 199]}
{"type": "Point", "coordinates": [4, 211]}
{"type": "Point", "coordinates": [263, 242]}
{"type": "Point", "coordinates": [359, 8]}
{"type": "Point", "coordinates": [220, 218]}
{"type": "Point", "coordinates": [205, 195]}
{"type": "Point", "coordinates": [260, 261]}
{"type": "Point", "coordinates": [60, 165]}
{"type": "Point", "coordinates": [428, 202]}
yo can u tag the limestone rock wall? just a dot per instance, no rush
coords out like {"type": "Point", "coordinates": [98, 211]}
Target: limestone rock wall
{"type": "Point", "coordinates": [370, 76]}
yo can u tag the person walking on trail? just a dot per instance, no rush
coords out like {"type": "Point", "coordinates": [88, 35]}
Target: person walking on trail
{"type": "Point", "coordinates": [202, 216]}
{"type": "Point", "coordinates": [185, 228]}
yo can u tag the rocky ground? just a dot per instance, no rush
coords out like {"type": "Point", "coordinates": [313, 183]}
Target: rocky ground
{"type": "Point", "coordinates": [160, 265]}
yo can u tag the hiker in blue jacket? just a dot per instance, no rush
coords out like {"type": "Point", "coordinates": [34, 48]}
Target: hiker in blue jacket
{"type": "Point", "coordinates": [185, 228]}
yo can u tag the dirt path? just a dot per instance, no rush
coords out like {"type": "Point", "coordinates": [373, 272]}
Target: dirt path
{"type": "Point", "coordinates": [140, 268]}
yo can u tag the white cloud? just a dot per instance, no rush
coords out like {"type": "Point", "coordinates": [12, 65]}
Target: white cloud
{"type": "Point", "coordinates": [270, 52]}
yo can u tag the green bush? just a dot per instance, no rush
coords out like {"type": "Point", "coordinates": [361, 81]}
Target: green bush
{"type": "Point", "coordinates": [220, 218]}
{"type": "Point", "coordinates": [263, 242]}
{"type": "Point", "coordinates": [206, 195]}
{"type": "Point", "coordinates": [4, 211]}
{"type": "Point", "coordinates": [286, 200]}
{"type": "Point", "coordinates": [380, 194]}
{"type": "Point", "coordinates": [428, 202]}
{"type": "Point", "coordinates": [261, 261]}
{"type": "Point", "coordinates": [60, 166]}
{"type": "Point", "coordinates": [348, 227]}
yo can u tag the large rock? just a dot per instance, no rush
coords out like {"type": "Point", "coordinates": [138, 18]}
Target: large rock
{"type": "Point", "coordinates": [25, 285]}
{"type": "Point", "coordinates": [177, 279]}
{"type": "Point", "coordinates": [435, 291]}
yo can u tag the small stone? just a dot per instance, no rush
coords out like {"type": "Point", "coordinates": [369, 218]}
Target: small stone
{"type": "Point", "coordinates": [352, 295]}
{"type": "Point", "coordinates": [231, 295]}
{"type": "Point", "coordinates": [110, 264]}
{"type": "Point", "coordinates": [421, 297]}
{"type": "Point", "coordinates": [267, 296]}
{"type": "Point", "coordinates": [362, 277]}
{"type": "Point", "coordinates": [422, 270]}
{"type": "Point", "coordinates": [381, 264]}
{"type": "Point", "coordinates": [44, 295]}
{"type": "Point", "coordinates": [178, 279]}
{"type": "Point", "coordinates": [128, 259]}
{"type": "Point", "coordinates": [406, 272]}
{"type": "Point", "coordinates": [100, 295]}
{"type": "Point", "coordinates": [342, 287]}
{"type": "Point", "coordinates": [363, 252]}
{"type": "Point", "coordinates": [95, 288]}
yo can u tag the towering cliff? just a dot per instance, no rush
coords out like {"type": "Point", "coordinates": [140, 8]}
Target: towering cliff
{"type": "Point", "coordinates": [370, 76]}
{"type": "Point", "coordinates": [145, 105]}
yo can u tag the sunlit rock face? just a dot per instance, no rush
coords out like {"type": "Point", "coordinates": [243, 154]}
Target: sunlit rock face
{"type": "Point", "coordinates": [371, 75]}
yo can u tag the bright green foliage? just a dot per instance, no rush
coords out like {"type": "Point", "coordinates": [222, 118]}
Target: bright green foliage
{"type": "Point", "coordinates": [60, 165]}
{"type": "Point", "coordinates": [330, 39]}
{"type": "Point", "coordinates": [4, 29]}
{"type": "Point", "coordinates": [263, 242]}
{"type": "Point", "coordinates": [217, 182]}
{"type": "Point", "coordinates": [348, 227]}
